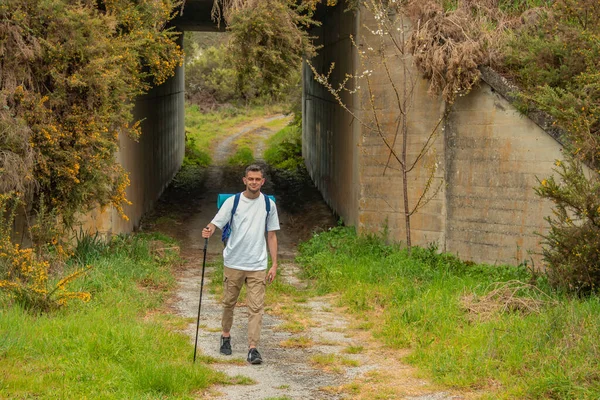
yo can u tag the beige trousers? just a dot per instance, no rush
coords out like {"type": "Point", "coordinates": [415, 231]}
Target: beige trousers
{"type": "Point", "coordinates": [233, 280]}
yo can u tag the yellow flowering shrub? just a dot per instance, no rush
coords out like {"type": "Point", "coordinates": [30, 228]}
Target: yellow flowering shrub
{"type": "Point", "coordinates": [70, 73]}
{"type": "Point", "coordinates": [25, 272]}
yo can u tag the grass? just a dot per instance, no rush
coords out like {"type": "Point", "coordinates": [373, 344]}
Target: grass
{"type": "Point", "coordinates": [299, 342]}
{"type": "Point", "coordinates": [417, 302]}
{"type": "Point", "coordinates": [116, 346]}
{"type": "Point", "coordinates": [202, 129]}
{"type": "Point", "coordinates": [243, 156]}
{"type": "Point", "coordinates": [354, 349]}
{"type": "Point", "coordinates": [332, 362]}
{"type": "Point", "coordinates": [254, 137]}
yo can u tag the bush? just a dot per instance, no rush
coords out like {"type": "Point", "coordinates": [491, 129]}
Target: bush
{"type": "Point", "coordinates": [25, 273]}
{"type": "Point", "coordinates": [193, 154]}
{"type": "Point", "coordinates": [70, 74]}
{"type": "Point", "coordinates": [268, 43]}
{"type": "Point", "coordinates": [572, 245]}
{"type": "Point", "coordinates": [285, 149]}
{"type": "Point", "coordinates": [209, 76]}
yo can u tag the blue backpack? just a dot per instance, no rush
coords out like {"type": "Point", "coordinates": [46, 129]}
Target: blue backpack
{"type": "Point", "coordinates": [236, 200]}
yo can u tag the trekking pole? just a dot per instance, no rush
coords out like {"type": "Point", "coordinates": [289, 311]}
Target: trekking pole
{"type": "Point", "coordinates": [200, 302]}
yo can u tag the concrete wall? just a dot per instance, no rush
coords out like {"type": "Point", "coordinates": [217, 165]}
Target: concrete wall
{"type": "Point", "coordinates": [488, 156]}
{"type": "Point", "coordinates": [382, 190]}
{"type": "Point", "coordinates": [329, 135]}
{"type": "Point", "coordinates": [494, 154]}
{"type": "Point", "coordinates": [153, 160]}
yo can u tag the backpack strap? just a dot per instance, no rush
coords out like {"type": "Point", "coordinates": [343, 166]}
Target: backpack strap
{"type": "Point", "coordinates": [236, 201]}
{"type": "Point", "coordinates": [268, 207]}
{"type": "Point", "coordinates": [227, 228]}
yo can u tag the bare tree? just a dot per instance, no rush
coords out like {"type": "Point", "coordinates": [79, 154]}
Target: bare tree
{"type": "Point", "coordinates": [386, 52]}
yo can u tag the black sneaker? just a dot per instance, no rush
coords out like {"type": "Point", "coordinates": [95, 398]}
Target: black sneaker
{"type": "Point", "coordinates": [225, 345]}
{"type": "Point", "coordinates": [254, 357]}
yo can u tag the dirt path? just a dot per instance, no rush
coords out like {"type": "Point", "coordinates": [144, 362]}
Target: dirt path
{"type": "Point", "coordinates": [333, 357]}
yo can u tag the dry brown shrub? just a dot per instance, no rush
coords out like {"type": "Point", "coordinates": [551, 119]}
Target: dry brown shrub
{"type": "Point", "coordinates": [17, 158]}
{"type": "Point", "coordinates": [449, 46]}
{"type": "Point", "coordinates": [18, 51]}
{"type": "Point", "coordinates": [506, 297]}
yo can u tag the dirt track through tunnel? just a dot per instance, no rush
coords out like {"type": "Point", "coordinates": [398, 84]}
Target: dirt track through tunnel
{"type": "Point", "coordinates": [288, 372]}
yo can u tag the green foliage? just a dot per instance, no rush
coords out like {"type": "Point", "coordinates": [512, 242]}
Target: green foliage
{"type": "Point", "coordinates": [268, 41]}
{"type": "Point", "coordinates": [88, 247]}
{"type": "Point", "coordinates": [70, 74]}
{"type": "Point", "coordinates": [284, 149]}
{"type": "Point", "coordinates": [194, 155]}
{"type": "Point", "coordinates": [572, 245]}
{"type": "Point", "coordinates": [116, 345]}
{"type": "Point", "coordinates": [243, 156]}
{"type": "Point", "coordinates": [556, 60]}
{"type": "Point", "coordinates": [210, 77]}
{"type": "Point", "coordinates": [259, 60]}
{"type": "Point", "coordinates": [189, 179]}
{"type": "Point", "coordinates": [418, 301]}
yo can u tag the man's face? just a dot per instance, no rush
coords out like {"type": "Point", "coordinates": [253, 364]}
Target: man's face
{"type": "Point", "coordinates": [254, 181]}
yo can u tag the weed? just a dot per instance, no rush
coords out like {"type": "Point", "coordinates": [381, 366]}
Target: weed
{"type": "Point", "coordinates": [291, 326]}
{"type": "Point", "coordinates": [300, 342]}
{"type": "Point", "coordinates": [241, 380]}
{"type": "Point", "coordinates": [354, 349]}
{"type": "Point", "coordinates": [332, 362]}
{"type": "Point", "coordinates": [88, 247]}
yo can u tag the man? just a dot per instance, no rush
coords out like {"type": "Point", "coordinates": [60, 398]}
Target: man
{"type": "Point", "coordinates": [245, 257]}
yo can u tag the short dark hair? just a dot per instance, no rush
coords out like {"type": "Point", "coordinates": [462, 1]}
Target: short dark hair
{"type": "Point", "coordinates": [255, 168]}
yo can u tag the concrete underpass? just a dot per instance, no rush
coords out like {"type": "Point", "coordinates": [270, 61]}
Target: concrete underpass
{"type": "Point", "coordinates": [487, 155]}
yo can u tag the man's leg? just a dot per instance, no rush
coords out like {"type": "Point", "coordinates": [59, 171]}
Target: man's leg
{"type": "Point", "coordinates": [232, 285]}
{"type": "Point", "coordinates": [255, 299]}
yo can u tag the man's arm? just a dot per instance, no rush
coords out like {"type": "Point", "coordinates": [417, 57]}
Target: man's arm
{"type": "Point", "coordinates": [272, 241]}
{"type": "Point", "coordinates": [223, 216]}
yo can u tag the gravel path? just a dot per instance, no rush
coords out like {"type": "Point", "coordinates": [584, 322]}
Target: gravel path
{"type": "Point", "coordinates": [287, 373]}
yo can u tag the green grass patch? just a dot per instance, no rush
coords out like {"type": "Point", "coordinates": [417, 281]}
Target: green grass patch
{"type": "Point", "coordinates": [354, 349]}
{"type": "Point", "coordinates": [299, 342]}
{"type": "Point", "coordinates": [278, 124]}
{"type": "Point", "coordinates": [113, 347]}
{"type": "Point", "coordinates": [333, 362]}
{"type": "Point", "coordinates": [203, 128]}
{"type": "Point", "coordinates": [243, 156]}
{"type": "Point", "coordinates": [548, 351]}
{"type": "Point", "coordinates": [284, 149]}
{"type": "Point", "coordinates": [255, 136]}
{"type": "Point", "coordinates": [291, 326]}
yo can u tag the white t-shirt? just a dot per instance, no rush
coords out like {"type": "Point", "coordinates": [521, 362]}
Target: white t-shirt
{"type": "Point", "coordinates": [246, 248]}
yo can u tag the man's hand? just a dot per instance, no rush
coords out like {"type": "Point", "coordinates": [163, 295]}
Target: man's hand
{"type": "Point", "coordinates": [271, 274]}
{"type": "Point", "coordinates": [208, 231]}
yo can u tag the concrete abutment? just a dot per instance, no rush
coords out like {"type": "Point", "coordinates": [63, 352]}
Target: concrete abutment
{"type": "Point", "coordinates": [485, 160]}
